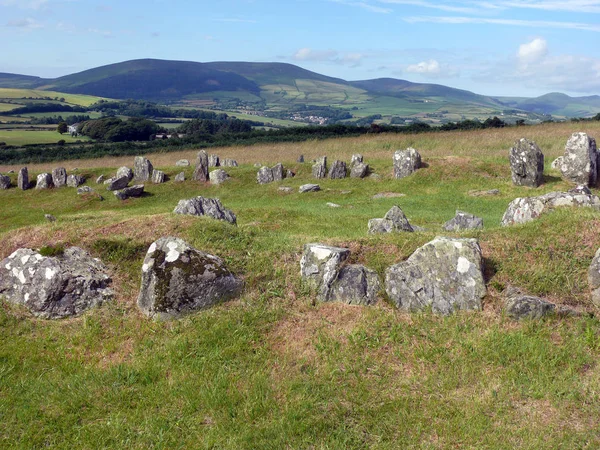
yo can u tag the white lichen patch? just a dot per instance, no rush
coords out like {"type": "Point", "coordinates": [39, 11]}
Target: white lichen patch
{"type": "Point", "coordinates": [152, 248]}
{"type": "Point", "coordinates": [172, 256]}
{"type": "Point", "coordinates": [24, 259]}
{"type": "Point", "coordinates": [463, 265]}
{"type": "Point", "coordinates": [50, 273]}
{"type": "Point", "coordinates": [321, 252]}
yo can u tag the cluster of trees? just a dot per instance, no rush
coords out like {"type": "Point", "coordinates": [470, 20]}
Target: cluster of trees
{"type": "Point", "coordinates": [215, 126]}
{"type": "Point", "coordinates": [113, 129]}
{"type": "Point", "coordinates": [44, 108]}
{"type": "Point", "coordinates": [141, 108]}
{"type": "Point", "coordinates": [474, 124]}
{"type": "Point", "coordinates": [69, 120]}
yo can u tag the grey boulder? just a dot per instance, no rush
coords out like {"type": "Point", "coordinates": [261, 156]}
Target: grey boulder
{"type": "Point", "coordinates": [464, 221]}
{"type": "Point", "coordinates": [227, 162]}
{"type": "Point", "coordinates": [180, 177]}
{"type": "Point", "coordinates": [44, 181]}
{"type": "Point", "coordinates": [200, 206]}
{"type": "Point", "coordinates": [406, 162]}
{"type": "Point", "coordinates": [59, 177]}
{"type": "Point", "coordinates": [54, 287]}
{"type": "Point", "coordinates": [319, 169]}
{"type": "Point", "coordinates": [158, 177]}
{"type": "Point", "coordinates": [264, 175]}
{"type": "Point", "coordinates": [394, 221]}
{"type": "Point", "coordinates": [218, 176]}
{"type": "Point", "coordinates": [129, 192]}
{"type": "Point", "coordinates": [178, 279]}
{"type": "Point", "coordinates": [309, 188]}
{"type": "Point", "coordinates": [356, 159]}
{"type": "Point", "coordinates": [117, 184]}
{"type": "Point", "coordinates": [445, 275]}
{"type": "Point", "coordinates": [182, 163]}
{"type": "Point", "coordinates": [75, 180]}
{"type": "Point", "coordinates": [337, 170]}
{"type": "Point", "coordinates": [579, 164]}
{"type": "Point", "coordinates": [526, 164]}
{"type": "Point", "coordinates": [359, 170]}
{"type": "Point", "coordinates": [557, 162]}
{"type": "Point", "coordinates": [213, 161]}
{"type": "Point", "coordinates": [142, 169]}
{"type": "Point", "coordinates": [4, 182]}
{"type": "Point", "coordinates": [125, 172]}
{"type": "Point", "coordinates": [520, 306]}
{"type": "Point", "coordinates": [201, 170]}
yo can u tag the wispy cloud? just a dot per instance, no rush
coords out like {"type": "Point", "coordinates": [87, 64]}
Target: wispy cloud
{"type": "Point", "coordinates": [364, 5]}
{"type": "Point", "coordinates": [509, 22]}
{"type": "Point", "coordinates": [352, 59]}
{"type": "Point", "coordinates": [27, 24]}
{"type": "Point", "coordinates": [580, 6]}
{"type": "Point", "coordinates": [235, 20]}
{"type": "Point", "coordinates": [455, 7]}
{"type": "Point", "coordinates": [24, 4]}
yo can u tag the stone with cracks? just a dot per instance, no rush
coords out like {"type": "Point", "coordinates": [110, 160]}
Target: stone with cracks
{"type": "Point", "coordinates": [406, 162]}
{"type": "Point", "coordinates": [59, 177]}
{"type": "Point", "coordinates": [355, 285]}
{"type": "Point", "coordinates": [158, 177]}
{"type": "Point", "coordinates": [117, 184]}
{"type": "Point", "coordinates": [594, 279]}
{"type": "Point", "coordinates": [309, 188]}
{"type": "Point", "coordinates": [213, 161]}
{"type": "Point", "coordinates": [125, 172]}
{"type": "Point", "coordinates": [278, 172]}
{"type": "Point", "coordinates": [201, 170]}
{"type": "Point", "coordinates": [4, 182]}
{"type": "Point", "coordinates": [320, 266]}
{"type": "Point", "coordinates": [359, 170]}
{"type": "Point", "coordinates": [337, 170]}
{"type": "Point", "coordinates": [264, 175]}
{"type": "Point", "coordinates": [200, 206]}
{"type": "Point", "coordinates": [445, 275]}
{"type": "Point", "coordinates": [44, 181]}
{"type": "Point", "coordinates": [218, 176]}
{"type": "Point", "coordinates": [520, 306]}
{"type": "Point", "coordinates": [142, 169]}
{"type": "Point", "coordinates": [54, 287]}
{"type": "Point", "coordinates": [129, 192]}
{"type": "Point", "coordinates": [23, 179]}
{"type": "Point", "coordinates": [319, 169]}
{"type": "Point", "coordinates": [394, 221]}
{"type": "Point", "coordinates": [182, 163]}
{"type": "Point", "coordinates": [380, 226]}
{"type": "Point", "coordinates": [464, 221]}
{"type": "Point", "coordinates": [526, 164]}
{"type": "Point", "coordinates": [522, 210]}
{"type": "Point", "coordinates": [180, 177]}
{"type": "Point", "coordinates": [557, 162]}
{"type": "Point", "coordinates": [75, 180]}
{"type": "Point", "coordinates": [178, 279]}
{"type": "Point", "coordinates": [579, 163]}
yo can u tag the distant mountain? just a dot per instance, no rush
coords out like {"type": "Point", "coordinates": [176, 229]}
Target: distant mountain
{"type": "Point", "coordinates": [281, 87]}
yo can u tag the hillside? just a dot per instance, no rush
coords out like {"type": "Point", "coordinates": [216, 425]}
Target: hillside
{"type": "Point", "coordinates": [557, 104]}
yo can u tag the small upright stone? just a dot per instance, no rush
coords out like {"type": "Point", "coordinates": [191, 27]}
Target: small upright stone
{"type": "Point", "coordinates": [213, 161]}
{"type": "Point", "coordinates": [158, 177]}
{"type": "Point", "coordinates": [44, 181]}
{"type": "Point", "coordinates": [319, 169]}
{"type": "Point", "coordinates": [398, 218]}
{"type": "Point", "coordinates": [218, 176]}
{"type": "Point", "coordinates": [264, 175]}
{"type": "Point", "coordinates": [75, 180]}
{"type": "Point", "coordinates": [180, 177]}
{"type": "Point", "coordinates": [300, 159]}
{"type": "Point", "coordinates": [594, 279]}
{"type": "Point", "coordinates": [464, 221]}
{"type": "Point", "coordinates": [23, 179]}
{"type": "Point", "coordinates": [100, 179]}
{"type": "Point", "coordinates": [359, 170]}
{"type": "Point", "coordinates": [182, 163]}
{"type": "Point", "coordinates": [4, 182]}
{"type": "Point", "coordinates": [337, 170]}
{"type": "Point", "coordinates": [142, 169]}
{"type": "Point", "coordinates": [201, 170]}
{"type": "Point", "coordinates": [356, 159]}
{"type": "Point", "coordinates": [227, 162]}
{"type": "Point", "coordinates": [580, 161]}
{"type": "Point", "coordinates": [278, 173]}
{"type": "Point", "coordinates": [125, 172]}
{"type": "Point", "coordinates": [526, 164]}
{"type": "Point", "coordinates": [59, 177]}
{"type": "Point", "coordinates": [406, 162]}
{"type": "Point", "coordinates": [320, 265]}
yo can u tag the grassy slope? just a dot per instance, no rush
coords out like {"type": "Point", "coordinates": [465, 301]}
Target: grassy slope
{"type": "Point", "coordinates": [273, 371]}
{"type": "Point", "coordinates": [74, 99]}
{"type": "Point", "coordinates": [16, 136]}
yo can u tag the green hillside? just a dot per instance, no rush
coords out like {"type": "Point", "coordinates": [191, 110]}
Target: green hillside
{"type": "Point", "coordinates": [557, 104]}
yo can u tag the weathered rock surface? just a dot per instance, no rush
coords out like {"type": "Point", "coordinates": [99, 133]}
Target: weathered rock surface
{"type": "Point", "coordinates": [278, 172]}
{"type": "Point", "coordinates": [286, 189]}
{"type": "Point", "coordinates": [158, 177]}
{"type": "Point", "coordinates": [59, 177]}
{"type": "Point", "coordinates": [320, 266]}
{"type": "Point", "coordinates": [130, 192]}
{"type": "Point", "coordinates": [557, 163]}
{"type": "Point", "coordinates": [54, 287]}
{"type": "Point", "coordinates": [142, 169]}
{"type": "Point", "coordinates": [178, 279]}
{"type": "Point", "coordinates": [594, 279]}
{"type": "Point", "coordinates": [201, 170]}
{"type": "Point", "coordinates": [180, 177]}
{"type": "Point", "coordinates": [182, 163]}
{"type": "Point", "coordinates": [319, 169]}
{"type": "Point", "coordinates": [23, 179]}
{"type": "Point", "coordinates": [264, 175]}
{"type": "Point", "coordinates": [445, 275]}
{"type": "Point", "coordinates": [125, 172]}
{"type": "Point", "coordinates": [359, 170]}
{"type": "Point", "coordinates": [300, 159]}
{"type": "Point", "coordinates": [526, 164]}
{"type": "Point", "coordinates": [4, 182]}
{"type": "Point", "coordinates": [394, 221]}
{"type": "Point", "coordinates": [380, 226]}
{"type": "Point", "coordinates": [100, 179]}
{"type": "Point", "coordinates": [84, 190]}
{"type": "Point", "coordinates": [337, 170]}
{"type": "Point", "coordinates": [355, 285]}
{"type": "Point", "coordinates": [522, 210]}
{"type": "Point", "coordinates": [464, 221]}
{"type": "Point", "coordinates": [309, 188]}
{"type": "Point", "coordinates": [580, 161]}
{"type": "Point", "coordinates": [213, 161]}
{"type": "Point", "coordinates": [356, 159]}
{"type": "Point", "coordinates": [406, 162]}
{"type": "Point", "coordinates": [75, 180]}
{"type": "Point", "coordinates": [44, 181]}
{"type": "Point", "coordinates": [520, 306]}
{"type": "Point", "coordinates": [218, 176]}
{"type": "Point", "coordinates": [227, 162]}
{"type": "Point", "coordinates": [200, 206]}
{"type": "Point", "coordinates": [484, 193]}
{"type": "Point", "coordinates": [117, 184]}
{"type": "Point", "coordinates": [49, 217]}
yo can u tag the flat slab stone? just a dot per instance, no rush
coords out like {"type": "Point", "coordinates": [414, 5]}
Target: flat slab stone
{"type": "Point", "coordinates": [309, 188]}
{"type": "Point", "coordinates": [200, 206]}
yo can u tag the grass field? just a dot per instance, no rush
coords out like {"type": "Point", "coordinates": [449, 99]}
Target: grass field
{"type": "Point", "coordinates": [17, 136]}
{"type": "Point", "coordinates": [273, 370]}
{"type": "Point", "coordinates": [74, 99]}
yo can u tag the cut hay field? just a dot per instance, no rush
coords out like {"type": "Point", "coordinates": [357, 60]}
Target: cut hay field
{"type": "Point", "coordinates": [18, 136]}
{"type": "Point", "coordinates": [273, 369]}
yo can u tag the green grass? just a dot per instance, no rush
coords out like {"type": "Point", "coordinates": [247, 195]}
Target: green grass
{"type": "Point", "coordinates": [74, 99]}
{"type": "Point", "coordinates": [270, 370]}
{"type": "Point", "coordinates": [17, 136]}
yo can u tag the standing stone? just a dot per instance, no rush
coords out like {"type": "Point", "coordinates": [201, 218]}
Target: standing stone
{"type": "Point", "coordinates": [227, 162]}
{"type": "Point", "coordinates": [142, 169]}
{"type": "Point", "coordinates": [594, 279]}
{"type": "Point", "coordinates": [178, 279]}
{"type": "Point", "coordinates": [158, 177]}
{"type": "Point", "coordinates": [218, 176]}
{"type": "Point", "coordinates": [125, 172]}
{"type": "Point", "coordinates": [23, 179]}
{"type": "Point", "coordinates": [59, 177]}
{"type": "Point", "coordinates": [182, 163]}
{"type": "Point", "coordinates": [4, 182]}
{"type": "Point", "coordinates": [320, 266]}
{"type": "Point", "coordinates": [278, 173]}
{"type": "Point", "coordinates": [200, 206]}
{"type": "Point", "coordinates": [406, 162]}
{"type": "Point", "coordinates": [394, 221]}
{"type": "Point", "coordinates": [445, 274]}
{"type": "Point", "coordinates": [464, 221]}
{"type": "Point", "coordinates": [201, 170]}
{"type": "Point", "coordinates": [264, 175]}
{"type": "Point", "coordinates": [117, 184]}
{"type": "Point", "coordinates": [356, 159]}
{"type": "Point", "coordinates": [579, 163]}
{"type": "Point", "coordinates": [180, 177]}
{"type": "Point", "coordinates": [337, 170]}
{"type": "Point", "coordinates": [300, 159]}
{"type": "Point", "coordinates": [54, 287]}
{"type": "Point", "coordinates": [44, 181]}
{"type": "Point", "coordinates": [319, 170]}
{"type": "Point", "coordinates": [359, 170]}
{"type": "Point", "coordinates": [526, 164]}
{"type": "Point", "coordinates": [75, 180]}
{"type": "Point", "coordinates": [213, 161]}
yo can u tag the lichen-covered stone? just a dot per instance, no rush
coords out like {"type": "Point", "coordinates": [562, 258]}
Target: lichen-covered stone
{"type": "Point", "coordinates": [579, 163]}
{"type": "Point", "coordinates": [178, 279]}
{"type": "Point", "coordinates": [158, 177]}
{"type": "Point", "coordinates": [44, 181]}
{"type": "Point", "coordinates": [445, 275]}
{"type": "Point", "coordinates": [320, 266]}
{"type": "Point", "coordinates": [125, 172]}
{"type": "Point", "coordinates": [406, 162]}
{"type": "Point", "coordinates": [142, 169]}
{"type": "Point", "coordinates": [264, 175]}
{"type": "Point", "coordinates": [464, 221]}
{"type": "Point", "coordinates": [23, 179]}
{"type": "Point", "coordinates": [182, 163]}
{"type": "Point", "coordinates": [201, 170]}
{"type": "Point", "coordinates": [117, 184]}
{"type": "Point", "coordinates": [522, 210]}
{"type": "Point", "coordinates": [594, 279]}
{"type": "Point", "coordinates": [356, 159]}
{"type": "Point", "coordinates": [355, 285]}
{"type": "Point", "coordinates": [4, 182]}
{"type": "Point", "coordinates": [130, 192]}
{"type": "Point", "coordinates": [337, 170]}
{"type": "Point", "coordinates": [278, 172]}
{"type": "Point", "coordinates": [54, 287]}
{"type": "Point", "coordinates": [200, 206]}
{"type": "Point", "coordinates": [75, 180]}
{"type": "Point", "coordinates": [59, 177]}
{"type": "Point", "coordinates": [526, 164]}
{"type": "Point", "coordinates": [213, 161]}
{"type": "Point", "coordinates": [394, 221]}
{"type": "Point", "coordinates": [180, 177]}
{"type": "Point", "coordinates": [380, 226]}
{"type": "Point", "coordinates": [228, 162]}
{"type": "Point", "coordinates": [309, 188]}
{"type": "Point", "coordinates": [218, 176]}
{"type": "Point", "coordinates": [520, 306]}
{"type": "Point", "coordinates": [359, 170]}
{"type": "Point", "coordinates": [556, 163]}
{"type": "Point", "coordinates": [319, 169]}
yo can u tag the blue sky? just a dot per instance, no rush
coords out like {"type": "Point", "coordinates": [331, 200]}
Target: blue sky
{"type": "Point", "coordinates": [495, 47]}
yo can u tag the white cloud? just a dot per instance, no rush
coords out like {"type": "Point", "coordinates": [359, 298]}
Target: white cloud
{"type": "Point", "coordinates": [352, 59]}
{"type": "Point", "coordinates": [581, 6]}
{"type": "Point", "coordinates": [533, 51]}
{"type": "Point", "coordinates": [364, 5]}
{"type": "Point", "coordinates": [30, 4]}
{"type": "Point", "coordinates": [510, 22]}
{"type": "Point", "coordinates": [27, 23]}
{"type": "Point", "coordinates": [431, 67]}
